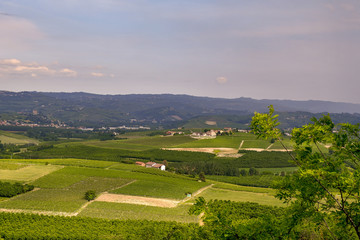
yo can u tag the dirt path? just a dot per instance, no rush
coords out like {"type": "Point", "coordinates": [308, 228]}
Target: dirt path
{"type": "Point", "coordinates": [82, 208]}
{"type": "Point", "coordinates": [201, 221]}
{"type": "Point", "coordinates": [219, 151]}
{"type": "Point", "coordinates": [242, 142]}
{"type": "Point", "coordinates": [268, 148]}
{"type": "Point", "coordinates": [196, 193]}
{"type": "Point", "coordinates": [51, 213]}
{"type": "Point", "coordinates": [206, 150]}
{"type": "Point", "coordinates": [148, 201]}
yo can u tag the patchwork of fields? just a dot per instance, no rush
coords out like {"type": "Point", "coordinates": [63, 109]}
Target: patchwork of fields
{"type": "Point", "coordinates": [127, 191]}
{"type": "Point", "coordinates": [60, 185]}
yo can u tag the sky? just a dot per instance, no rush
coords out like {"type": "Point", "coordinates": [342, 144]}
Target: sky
{"type": "Point", "coordinates": [263, 49]}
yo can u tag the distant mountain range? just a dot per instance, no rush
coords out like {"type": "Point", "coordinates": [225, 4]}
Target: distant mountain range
{"type": "Point", "coordinates": [85, 109]}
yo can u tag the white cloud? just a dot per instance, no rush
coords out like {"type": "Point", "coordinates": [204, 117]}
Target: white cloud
{"type": "Point", "coordinates": [68, 72]}
{"type": "Point", "coordinates": [33, 69]}
{"type": "Point", "coordinates": [14, 67]}
{"type": "Point", "coordinates": [221, 80]}
{"type": "Point", "coordinates": [97, 74]}
{"type": "Point", "coordinates": [12, 61]}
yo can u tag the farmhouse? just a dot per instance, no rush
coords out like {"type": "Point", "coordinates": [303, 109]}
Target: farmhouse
{"type": "Point", "coordinates": [140, 164]}
{"type": "Point", "coordinates": [155, 165]}
{"type": "Point", "coordinates": [150, 164]}
{"type": "Point", "coordinates": [159, 166]}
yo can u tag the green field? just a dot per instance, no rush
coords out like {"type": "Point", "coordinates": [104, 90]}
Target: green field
{"type": "Point", "coordinates": [142, 143]}
{"type": "Point", "coordinates": [11, 166]}
{"type": "Point", "coordinates": [156, 186]}
{"type": "Point", "coordinates": [62, 199]}
{"type": "Point", "coordinates": [275, 170]}
{"type": "Point", "coordinates": [28, 173]}
{"type": "Point", "coordinates": [254, 181]}
{"type": "Point", "coordinates": [134, 212]}
{"type": "Point", "coordinates": [256, 144]}
{"type": "Point", "coordinates": [117, 144]}
{"type": "Point", "coordinates": [241, 196]}
{"type": "Point", "coordinates": [8, 137]}
{"type": "Point", "coordinates": [161, 142]}
{"type": "Point", "coordinates": [277, 145]}
{"type": "Point", "coordinates": [60, 185]}
{"type": "Point", "coordinates": [228, 186]}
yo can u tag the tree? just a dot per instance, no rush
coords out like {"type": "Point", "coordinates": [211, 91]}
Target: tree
{"type": "Point", "coordinates": [253, 171]}
{"type": "Point", "coordinates": [327, 183]}
{"type": "Point", "coordinates": [202, 177]}
{"type": "Point", "coordinates": [90, 195]}
{"type": "Point", "coordinates": [166, 163]}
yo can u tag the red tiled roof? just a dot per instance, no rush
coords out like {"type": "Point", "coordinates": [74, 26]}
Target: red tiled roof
{"type": "Point", "coordinates": [157, 165]}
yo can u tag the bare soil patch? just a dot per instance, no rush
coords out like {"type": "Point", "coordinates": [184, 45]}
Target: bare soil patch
{"type": "Point", "coordinates": [211, 123]}
{"type": "Point", "coordinates": [148, 201]}
{"type": "Point", "coordinates": [220, 152]}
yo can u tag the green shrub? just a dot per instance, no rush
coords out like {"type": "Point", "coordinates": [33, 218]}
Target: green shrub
{"type": "Point", "coordinates": [90, 195]}
{"type": "Point", "coordinates": [10, 190]}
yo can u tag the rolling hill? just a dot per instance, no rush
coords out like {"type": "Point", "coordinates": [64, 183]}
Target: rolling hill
{"type": "Point", "coordinates": [166, 110]}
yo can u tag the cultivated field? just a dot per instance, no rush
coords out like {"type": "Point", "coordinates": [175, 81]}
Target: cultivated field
{"type": "Point", "coordinates": [60, 185]}
{"type": "Point", "coordinates": [141, 143]}
{"type": "Point", "coordinates": [8, 137]}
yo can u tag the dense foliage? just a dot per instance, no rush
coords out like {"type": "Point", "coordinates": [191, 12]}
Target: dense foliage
{"type": "Point", "coordinates": [264, 159]}
{"type": "Point", "coordinates": [9, 190]}
{"type": "Point", "coordinates": [230, 166]}
{"type": "Point", "coordinates": [97, 153]}
{"type": "Point", "coordinates": [239, 220]}
{"type": "Point", "coordinates": [324, 182]}
{"type": "Point", "coordinates": [27, 226]}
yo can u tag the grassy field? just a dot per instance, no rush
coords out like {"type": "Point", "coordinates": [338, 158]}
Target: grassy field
{"type": "Point", "coordinates": [142, 143]}
{"type": "Point", "coordinates": [275, 170]}
{"type": "Point", "coordinates": [66, 162]}
{"type": "Point", "coordinates": [156, 186]}
{"type": "Point", "coordinates": [61, 185]}
{"type": "Point", "coordinates": [241, 196]}
{"type": "Point", "coordinates": [160, 142]}
{"type": "Point", "coordinates": [28, 173]}
{"type": "Point", "coordinates": [256, 144]}
{"type": "Point", "coordinates": [62, 199]}
{"type": "Point", "coordinates": [8, 137]}
{"type": "Point", "coordinates": [131, 211]}
{"type": "Point", "coordinates": [277, 145]}
{"type": "Point", "coordinates": [11, 166]}
{"type": "Point", "coordinates": [149, 183]}
{"type": "Point", "coordinates": [117, 144]}
{"type": "Point", "coordinates": [228, 186]}
{"type": "Point", "coordinates": [245, 136]}
{"type": "Point", "coordinates": [254, 181]}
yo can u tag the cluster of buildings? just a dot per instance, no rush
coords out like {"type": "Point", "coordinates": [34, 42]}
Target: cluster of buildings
{"type": "Point", "coordinates": [212, 133]}
{"type": "Point", "coordinates": [152, 165]}
{"type": "Point", "coordinates": [172, 133]}
{"type": "Point", "coordinates": [28, 124]}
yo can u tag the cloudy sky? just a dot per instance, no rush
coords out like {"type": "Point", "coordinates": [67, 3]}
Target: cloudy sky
{"type": "Point", "coordinates": [273, 49]}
